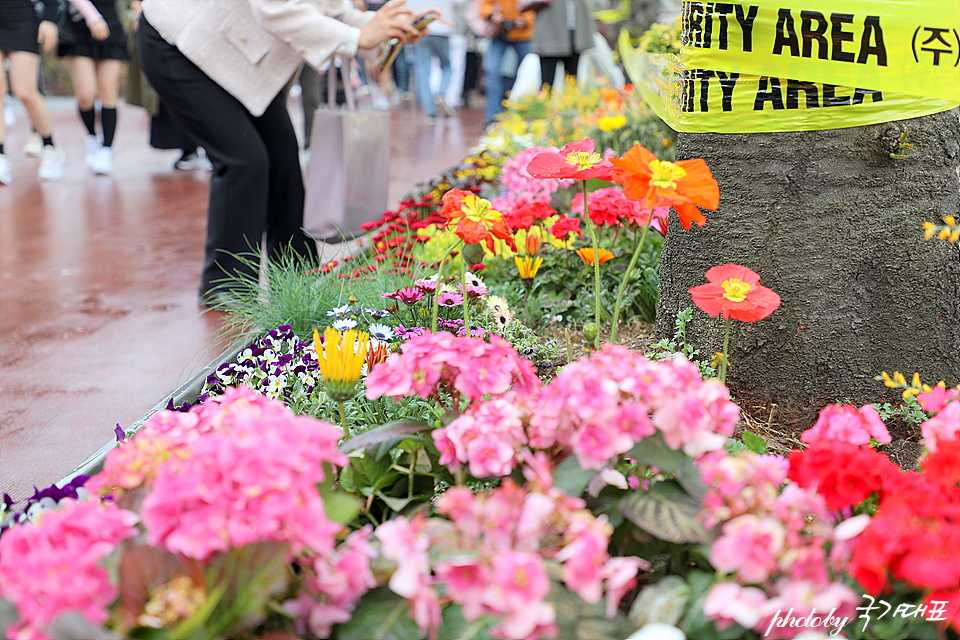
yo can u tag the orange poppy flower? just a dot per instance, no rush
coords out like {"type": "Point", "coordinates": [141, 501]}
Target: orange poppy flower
{"type": "Point", "coordinates": [474, 220]}
{"type": "Point", "coordinates": [684, 184]}
{"type": "Point", "coordinates": [587, 255]}
{"type": "Point", "coordinates": [735, 292]}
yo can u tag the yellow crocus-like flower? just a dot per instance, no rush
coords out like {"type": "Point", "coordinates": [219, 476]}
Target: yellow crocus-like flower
{"type": "Point", "coordinates": [341, 356]}
{"type": "Point", "coordinates": [612, 123]}
{"type": "Point", "coordinates": [528, 266]}
{"type": "Point", "coordinates": [589, 257]}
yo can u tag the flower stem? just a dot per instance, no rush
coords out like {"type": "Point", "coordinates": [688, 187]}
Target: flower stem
{"type": "Point", "coordinates": [596, 260]}
{"type": "Point", "coordinates": [343, 416]}
{"type": "Point", "coordinates": [436, 296]}
{"type": "Point", "coordinates": [626, 278]}
{"type": "Point", "coordinates": [723, 362]}
{"type": "Point", "coordinates": [463, 288]}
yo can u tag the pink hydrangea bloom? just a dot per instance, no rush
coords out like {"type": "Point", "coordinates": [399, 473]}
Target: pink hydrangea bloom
{"type": "Point", "coordinates": [803, 596]}
{"type": "Point", "coordinates": [943, 426]}
{"type": "Point", "coordinates": [602, 405]}
{"type": "Point", "coordinates": [749, 546]}
{"type": "Point", "coordinates": [739, 484]}
{"type": "Point", "coordinates": [937, 398]}
{"type": "Point", "coordinates": [469, 366]}
{"type": "Point", "coordinates": [848, 424]}
{"type": "Point", "coordinates": [519, 186]}
{"type": "Point", "coordinates": [729, 603]}
{"type": "Point", "coordinates": [333, 583]}
{"type": "Point", "coordinates": [406, 543]}
{"type": "Point", "coordinates": [250, 476]}
{"type": "Point", "coordinates": [53, 566]}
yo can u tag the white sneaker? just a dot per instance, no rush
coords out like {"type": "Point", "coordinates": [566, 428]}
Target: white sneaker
{"type": "Point", "coordinates": [6, 176]}
{"type": "Point", "coordinates": [51, 163]}
{"type": "Point", "coordinates": [103, 162]}
{"type": "Point", "coordinates": [93, 148]}
{"type": "Point", "coordinates": [195, 160]}
{"type": "Point", "coordinates": [34, 145]}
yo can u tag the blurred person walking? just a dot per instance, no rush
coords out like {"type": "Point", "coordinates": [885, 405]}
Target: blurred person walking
{"type": "Point", "coordinates": [433, 46]}
{"type": "Point", "coordinates": [95, 53]}
{"type": "Point", "coordinates": [515, 28]}
{"type": "Point", "coordinates": [22, 33]}
{"type": "Point", "coordinates": [564, 30]}
{"type": "Point", "coordinates": [221, 67]}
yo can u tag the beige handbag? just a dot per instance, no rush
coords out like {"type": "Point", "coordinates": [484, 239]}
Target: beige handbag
{"type": "Point", "coordinates": [348, 175]}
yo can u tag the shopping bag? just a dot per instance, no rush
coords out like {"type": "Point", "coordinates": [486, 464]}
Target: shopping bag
{"type": "Point", "coordinates": [348, 175]}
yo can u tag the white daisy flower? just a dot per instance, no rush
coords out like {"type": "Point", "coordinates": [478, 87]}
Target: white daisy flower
{"type": "Point", "coordinates": [381, 331]}
{"type": "Point", "coordinates": [339, 311]}
{"type": "Point", "coordinates": [343, 324]}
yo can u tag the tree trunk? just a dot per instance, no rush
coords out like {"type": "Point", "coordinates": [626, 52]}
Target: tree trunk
{"type": "Point", "coordinates": [832, 223]}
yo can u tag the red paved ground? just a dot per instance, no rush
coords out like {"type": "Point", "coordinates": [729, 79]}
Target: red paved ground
{"type": "Point", "coordinates": [98, 280]}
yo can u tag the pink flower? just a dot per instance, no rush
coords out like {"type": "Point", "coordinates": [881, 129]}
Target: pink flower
{"type": "Point", "coordinates": [749, 547]}
{"type": "Point", "coordinates": [729, 603]}
{"type": "Point", "coordinates": [251, 477]}
{"type": "Point", "coordinates": [489, 456]}
{"type": "Point", "coordinates": [53, 566]}
{"type": "Point", "coordinates": [619, 577]}
{"type": "Point", "coordinates": [467, 579]}
{"type": "Point", "coordinates": [848, 424]}
{"type": "Point", "coordinates": [943, 426]}
{"type": "Point", "coordinates": [610, 207]}
{"type": "Point", "coordinates": [469, 366]}
{"type": "Point", "coordinates": [803, 597]}
{"type": "Point", "coordinates": [519, 187]}
{"type": "Point", "coordinates": [937, 398]}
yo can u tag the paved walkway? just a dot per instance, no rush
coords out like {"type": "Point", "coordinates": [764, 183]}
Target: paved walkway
{"type": "Point", "coordinates": [98, 282]}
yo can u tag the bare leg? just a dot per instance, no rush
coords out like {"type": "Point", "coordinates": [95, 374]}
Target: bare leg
{"type": "Point", "coordinates": [23, 85]}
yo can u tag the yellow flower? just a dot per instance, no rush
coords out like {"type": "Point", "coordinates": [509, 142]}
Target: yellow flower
{"type": "Point", "coordinates": [341, 357]}
{"type": "Point", "coordinates": [528, 266]}
{"type": "Point", "coordinates": [612, 123]}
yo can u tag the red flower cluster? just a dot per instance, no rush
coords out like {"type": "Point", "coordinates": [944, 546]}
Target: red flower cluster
{"type": "Point", "coordinates": [843, 473]}
{"type": "Point", "coordinates": [523, 215]}
{"type": "Point", "coordinates": [914, 538]}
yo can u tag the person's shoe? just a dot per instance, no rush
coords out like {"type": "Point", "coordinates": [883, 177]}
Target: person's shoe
{"type": "Point", "coordinates": [6, 176]}
{"type": "Point", "coordinates": [193, 160]}
{"type": "Point", "coordinates": [443, 109]}
{"type": "Point", "coordinates": [430, 120]}
{"type": "Point", "coordinates": [51, 163]}
{"type": "Point", "coordinates": [103, 162]}
{"type": "Point", "coordinates": [93, 148]}
{"type": "Point", "coordinates": [34, 145]}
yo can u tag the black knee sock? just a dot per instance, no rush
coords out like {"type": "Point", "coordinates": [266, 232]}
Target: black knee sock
{"type": "Point", "coordinates": [108, 121]}
{"type": "Point", "coordinates": [48, 140]}
{"type": "Point", "coordinates": [89, 118]}
{"type": "Point", "coordinates": [1, 148]}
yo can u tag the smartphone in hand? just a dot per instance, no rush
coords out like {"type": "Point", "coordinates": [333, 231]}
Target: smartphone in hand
{"type": "Point", "coordinates": [396, 44]}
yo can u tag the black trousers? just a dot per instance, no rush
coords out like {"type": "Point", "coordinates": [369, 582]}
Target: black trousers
{"type": "Point", "coordinates": [256, 188]}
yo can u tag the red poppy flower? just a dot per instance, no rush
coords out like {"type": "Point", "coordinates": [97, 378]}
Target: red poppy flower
{"type": "Point", "coordinates": [684, 184]}
{"type": "Point", "coordinates": [735, 292]}
{"type": "Point", "coordinates": [576, 160]}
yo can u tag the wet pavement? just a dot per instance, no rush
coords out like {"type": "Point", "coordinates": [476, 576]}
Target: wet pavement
{"type": "Point", "coordinates": [98, 283]}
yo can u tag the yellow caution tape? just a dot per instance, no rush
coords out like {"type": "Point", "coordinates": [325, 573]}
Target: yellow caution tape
{"type": "Point", "coordinates": [699, 100]}
{"type": "Point", "coordinates": [905, 46]}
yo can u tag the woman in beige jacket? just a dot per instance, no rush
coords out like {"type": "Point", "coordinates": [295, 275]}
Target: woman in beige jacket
{"type": "Point", "coordinates": [220, 66]}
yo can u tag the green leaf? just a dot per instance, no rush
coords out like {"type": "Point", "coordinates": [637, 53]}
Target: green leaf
{"type": "Point", "coordinates": [372, 440]}
{"type": "Point", "coordinates": [653, 451]}
{"type": "Point", "coordinates": [754, 443]}
{"type": "Point", "coordinates": [570, 477]}
{"type": "Point", "coordinates": [665, 511]}
{"type": "Point", "coordinates": [381, 614]}
{"type": "Point", "coordinates": [341, 507]}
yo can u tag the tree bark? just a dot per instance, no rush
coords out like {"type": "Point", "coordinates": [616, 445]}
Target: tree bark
{"type": "Point", "coordinates": [832, 223]}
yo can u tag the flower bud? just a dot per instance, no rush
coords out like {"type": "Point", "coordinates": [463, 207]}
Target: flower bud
{"type": "Point", "coordinates": [533, 244]}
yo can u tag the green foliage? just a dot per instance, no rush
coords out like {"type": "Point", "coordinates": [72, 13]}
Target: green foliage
{"type": "Point", "coordinates": [909, 412]}
{"type": "Point", "coordinates": [665, 349]}
{"type": "Point", "coordinates": [297, 293]}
